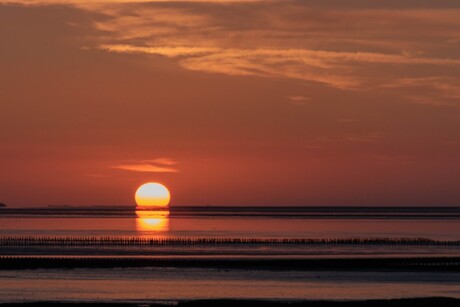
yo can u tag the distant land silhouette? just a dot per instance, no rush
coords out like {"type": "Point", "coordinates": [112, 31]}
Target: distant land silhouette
{"type": "Point", "coordinates": [2, 205]}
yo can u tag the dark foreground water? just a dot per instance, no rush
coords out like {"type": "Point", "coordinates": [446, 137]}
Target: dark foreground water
{"type": "Point", "coordinates": [199, 236]}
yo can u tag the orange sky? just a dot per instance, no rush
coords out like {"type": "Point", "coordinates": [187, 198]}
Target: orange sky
{"type": "Point", "coordinates": [230, 102]}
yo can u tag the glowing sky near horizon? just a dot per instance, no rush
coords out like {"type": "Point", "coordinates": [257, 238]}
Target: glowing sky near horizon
{"type": "Point", "coordinates": [293, 102]}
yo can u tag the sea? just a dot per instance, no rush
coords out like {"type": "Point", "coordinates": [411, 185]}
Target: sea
{"type": "Point", "coordinates": [120, 254]}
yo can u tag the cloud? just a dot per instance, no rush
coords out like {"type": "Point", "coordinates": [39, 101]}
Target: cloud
{"type": "Point", "coordinates": [300, 40]}
{"type": "Point", "coordinates": [146, 168]}
{"type": "Point", "coordinates": [165, 50]}
{"type": "Point", "coordinates": [99, 2]}
{"type": "Point", "coordinates": [358, 45]}
{"type": "Point", "coordinates": [324, 66]}
{"type": "Point", "coordinates": [431, 90]}
{"type": "Point", "coordinates": [164, 161]}
{"type": "Point", "coordinates": [159, 165]}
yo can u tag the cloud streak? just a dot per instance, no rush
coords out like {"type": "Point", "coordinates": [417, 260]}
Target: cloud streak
{"type": "Point", "coordinates": [438, 90]}
{"type": "Point", "coordinates": [316, 58]}
{"type": "Point", "coordinates": [300, 40]}
{"type": "Point", "coordinates": [159, 165]}
{"type": "Point", "coordinates": [311, 65]}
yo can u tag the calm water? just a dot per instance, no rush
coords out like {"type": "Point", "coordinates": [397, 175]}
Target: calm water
{"type": "Point", "coordinates": [235, 222]}
{"type": "Point", "coordinates": [259, 223]}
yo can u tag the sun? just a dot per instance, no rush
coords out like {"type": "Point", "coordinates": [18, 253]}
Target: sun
{"type": "Point", "coordinates": [152, 194]}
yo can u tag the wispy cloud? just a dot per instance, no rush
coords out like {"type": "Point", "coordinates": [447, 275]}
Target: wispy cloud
{"type": "Point", "coordinates": [298, 99]}
{"type": "Point", "coordinates": [328, 67]}
{"type": "Point", "coordinates": [147, 168]}
{"type": "Point", "coordinates": [99, 2]}
{"type": "Point", "coordinates": [433, 90]}
{"type": "Point", "coordinates": [303, 40]}
{"type": "Point", "coordinates": [163, 161]}
{"type": "Point", "coordinates": [159, 165]}
{"type": "Point", "coordinates": [300, 40]}
{"type": "Point", "coordinates": [180, 51]}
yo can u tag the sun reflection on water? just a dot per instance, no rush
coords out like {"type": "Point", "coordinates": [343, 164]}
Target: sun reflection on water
{"type": "Point", "coordinates": [151, 222]}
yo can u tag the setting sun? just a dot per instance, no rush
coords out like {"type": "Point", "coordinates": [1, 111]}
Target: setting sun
{"type": "Point", "coordinates": [152, 194]}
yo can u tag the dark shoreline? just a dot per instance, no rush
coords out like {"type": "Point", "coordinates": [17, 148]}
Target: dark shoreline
{"type": "Point", "coordinates": [429, 301]}
{"type": "Point", "coordinates": [424, 264]}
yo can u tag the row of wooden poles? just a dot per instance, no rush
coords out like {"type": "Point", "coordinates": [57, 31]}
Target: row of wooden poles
{"type": "Point", "coordinates": [87, 240]}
